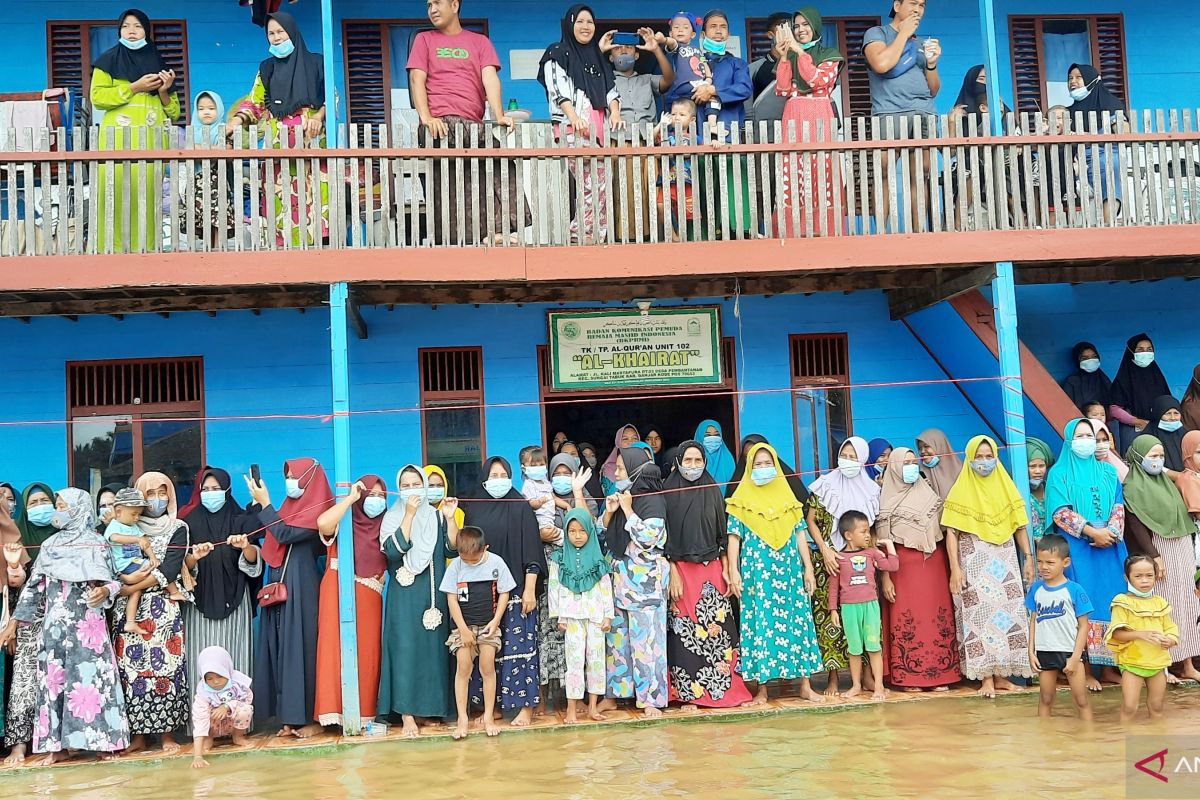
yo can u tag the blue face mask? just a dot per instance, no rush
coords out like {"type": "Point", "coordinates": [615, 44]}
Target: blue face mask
{"type": "Point", "coordinates": [60, 519]}
{"type": "Point", "coordinates": [293, 488]}
{"type": "Point", "coordinates": [435, 494]}
{"type": "Point", "coordinates": [1081, 93]}
{"type": "Point", "coordinates": [623, 484]}
{"type": "Point", "coordinates": [40, 515]}
{"type": "Point", "coordinates": [911, 473]}
{"type": "Point", "coordinates": [410, 492]}
{"type": "Point", "coordinates": [1153, 466]}
{"type": "Point", "coordinates": [1170, 426]}
{"type": "Point", "coordinates": [561, 484]}
{"type": "Point", "coordinates": [984, 466]}
{"type": "Point", "coordinates": [809, 45]}
{"type": "Point", "coordinates": [156, 507]}
{"type": "Point", "coordinates": [1089, 364]}
{"type": "Point", "coordinates": [716, 48]}
{"type": "Point", "coordinates": [283, 49]}
{"type": "Point", "coordinates": [213, 500]}
{"type": "Point", "coordinates": [374, 505]}
{"type": "Point", "coordinates": [713, 443]}
{"type": "Point", "coordinates": [1137, 592]}
{"type": "Point", "coordinates": [692, 473]}
{"type": "Point", "coordinates": [498, 487]}
{"type": "Point", "coordinates": [1084, 448]}
{"type": "Point", "coordinates": [537, 473]}
{"type": "Point", "coordinates": [1143, 359]}
{"type": "Point", "coordinates": [1036, 483]}
{"type": "Point", "coordinates": [763, 475]}
{"type": "Point", "coordinates": [624, 62]}
{"type": "Point", "coordinates": [932, 461]}
{"type": "Point", "coordinates": [138, 45]}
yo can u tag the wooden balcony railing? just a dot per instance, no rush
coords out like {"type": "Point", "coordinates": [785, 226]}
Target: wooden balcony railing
{"type": "Point", "coordinates": [154, 190]}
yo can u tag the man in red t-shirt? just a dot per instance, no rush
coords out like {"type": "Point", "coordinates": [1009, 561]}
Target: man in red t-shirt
{"type": "Point", "coordinates": [452, 74]}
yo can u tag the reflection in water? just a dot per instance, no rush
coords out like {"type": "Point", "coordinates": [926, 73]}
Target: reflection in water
{"type": "Point", "coordinates": [939, 748]}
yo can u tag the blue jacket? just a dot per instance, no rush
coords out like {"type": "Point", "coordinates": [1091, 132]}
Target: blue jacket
{"type": "Point", "coordinates": [731, 78]}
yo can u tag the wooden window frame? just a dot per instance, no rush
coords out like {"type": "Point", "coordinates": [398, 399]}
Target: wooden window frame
{"type": "Point", "coordinates": [817, 382]}
{"type": "Point", "coordinates": [137, 413]}
{"type": "Point", "coordinates": [1121, 90]}
{"type": "Point", "coordinates": [468, 399]}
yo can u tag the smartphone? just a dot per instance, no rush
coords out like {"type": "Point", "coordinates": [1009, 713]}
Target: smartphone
{"type": "Point", "coordinates": [626, 38]}
{"type": "Point", "coordinates": [256, 474]}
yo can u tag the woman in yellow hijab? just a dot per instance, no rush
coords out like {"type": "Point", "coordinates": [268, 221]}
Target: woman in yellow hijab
{"type": "Point", "coordinates": [983, 515]}
{"type": "Point", "coordinates": [439, 490]}
{"type": "Point", "coordinates": [771, 573]}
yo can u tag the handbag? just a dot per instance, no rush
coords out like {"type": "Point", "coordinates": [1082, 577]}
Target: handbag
{"type": "Point", "coordinates": [276, 592]}
{"type": "Point", "coordinates": [432, 618]}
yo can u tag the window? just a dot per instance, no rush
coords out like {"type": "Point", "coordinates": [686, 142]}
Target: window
{"type": "Point", "coordinates": [452, 412]}
{"type": "Point", "coordinates": [1043, 49]}
{"type": "Point", "coordinates": [853, 97]}
{"type": "Point", "coordinates": [821, 400]}
{"type": "Point", "coordinates": [130, 417]}
{"type": "Point", "coordinates": [72, 46]}
{"type": "Point", "coordinates": [376, 64]}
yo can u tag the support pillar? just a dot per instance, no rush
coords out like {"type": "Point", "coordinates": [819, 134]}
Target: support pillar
{"type": "Point", "coordinates": [347, 618]}
{"type": "Point", "coordinates": [332, 123]}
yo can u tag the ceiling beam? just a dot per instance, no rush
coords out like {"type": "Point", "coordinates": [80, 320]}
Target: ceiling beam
{"type": "Point", "coordinates": [356, 318]}
{"type": "Point", "coordinates": [902, 302]}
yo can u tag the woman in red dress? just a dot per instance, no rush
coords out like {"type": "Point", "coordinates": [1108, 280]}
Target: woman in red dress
{"type": "Point", "coordinates": [807, 76]}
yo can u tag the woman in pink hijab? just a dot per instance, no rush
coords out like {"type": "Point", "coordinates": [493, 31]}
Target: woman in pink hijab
{"type": "Point", "coordinates": [1105, 449]}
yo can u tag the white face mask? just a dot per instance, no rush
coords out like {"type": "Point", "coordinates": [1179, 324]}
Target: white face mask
{"type": "Point", "coordinates": [849, 467]}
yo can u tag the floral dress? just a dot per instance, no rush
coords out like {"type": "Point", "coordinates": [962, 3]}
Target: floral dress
{"type": "Point", "coordinates": [830, 638]}
{"type": "Point", "coordinates": [637, 641]}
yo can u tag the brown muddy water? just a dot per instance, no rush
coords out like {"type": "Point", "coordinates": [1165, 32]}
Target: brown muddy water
{"type": "Point", "coordinates": [939, 748]}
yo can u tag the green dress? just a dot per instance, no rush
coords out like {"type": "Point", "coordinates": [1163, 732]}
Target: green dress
{"type": "Point", "coordinates": [415, 677]}
{"type": "Point", "coordinates": [144, 121]}
{"type": "Point", "coordinates": [831, 637]}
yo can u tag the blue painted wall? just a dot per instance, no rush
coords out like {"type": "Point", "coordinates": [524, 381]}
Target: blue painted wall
{"type": "Point", "coordinates": [225, 48]}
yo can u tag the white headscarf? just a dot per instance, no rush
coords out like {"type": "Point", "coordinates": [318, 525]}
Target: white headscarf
{"type": "Point", "coordinates": [424, 532]}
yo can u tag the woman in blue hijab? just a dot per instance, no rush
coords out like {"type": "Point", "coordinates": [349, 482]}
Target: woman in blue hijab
{"type": "Point", "coordinates": [720, 460]}
{"type": "Point", "coordinates": [878, 451]}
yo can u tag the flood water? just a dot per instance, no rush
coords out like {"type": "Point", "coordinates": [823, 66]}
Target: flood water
{"type": "Point", "coordinates": [943, 748]}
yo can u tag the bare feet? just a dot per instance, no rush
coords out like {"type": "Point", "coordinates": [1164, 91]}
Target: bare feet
{"type": "Point", "coordinates": [492, 729]}
{"type": "Point", "coordinates": [460, 730]}
{"type": "Point", "coordinates": [831, 685]}
{"type": "Point", "coordinates": [284, 732]}
{"type": "Point", "coordinates": [987, 688]}
{"type": "Point", "coordinates": [131, 626]}
{"type": "Point", "coordinates": [199, 763]}
{"type": "Point", "coordinates": [310, 730]}
{"type": "Point", "coordinates": [941, 688]}
{"type": "Point", "coordinates": [608, 704]}
{"type": "Point", "coordinates": [1093, 684]}
{"type": "Point", "coordinates": [239, 738]}
{"type": "Point", "coordinates": [651, 712]}
{"type": "Point", "coordinates": [760, 697]}
{"type": "Point", "coordinates": [809, 694]}
{"type": "Point", "coordinates": [1172, 678]}
{"type": "Point", "coordinates": [170, 747]}
{"type": "Point", "coordinates": [570, 718]}
{"type": "Point", "coordinates": [879, 694]}
{"type": "Point", "coordinates": [689, 708]}
{"type": "Point", "coordinates": [1189, 671]}
{"type": "Point", "coordinates": [522, 720]}
{"type": "Point", "coordinates": [911, 689]}
{"type": "Point", "coordinates": [49, 759]}
{"type": "Point", "coordinates": [409, 730]}
{"type": "Point", "coordinates": [596, 715]}
{"type": "Point", "coordinates": [177, 597]}
{"type": "Point", "coordinates": [136, 745]}
{"type": "Point", "coordinates": [16, 757]}
{"type": "Point", "coordinates": [852, 692]}
{"type": "Point", "coordinates": [1111, 675]}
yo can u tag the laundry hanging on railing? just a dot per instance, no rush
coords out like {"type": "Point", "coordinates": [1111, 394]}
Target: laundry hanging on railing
{"type": "Point", "coordinates": [260, 9]}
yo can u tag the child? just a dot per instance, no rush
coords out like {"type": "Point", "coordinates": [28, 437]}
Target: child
{"type": "Point", "coordinates": [1139, 635]}
{"type": "Point", "coordinates": [691, 66]}
{"type": "Point", "coordinates": [131, 551]}
{"type": "Point", "coordinates": [677, 130]}
{"type": "Point", "coordinates": [1058, 626]}
{"type": "Point", "coordinates": [224, 704]}
{"type": "Point", "coordinates": [580, 595]}
{"type": "Point", "coordinates": [858, 591]}
{"type": "Point", "coordinates": [477, 584]}
{"type": "Point", "coordinates": [537, 488]}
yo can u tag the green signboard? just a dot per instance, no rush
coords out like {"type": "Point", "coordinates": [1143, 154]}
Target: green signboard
{"type": "Point", "coordinates": [617, 348]}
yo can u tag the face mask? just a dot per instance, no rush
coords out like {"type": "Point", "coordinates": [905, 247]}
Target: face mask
{"type": "Point", "coordinates": [849, 467]}
{"type": "Point", "coordinates": [536, 473]}
{"type": "Point", "coordinates": [283, 49]}
{"type": "Point", "coordinates": [623, 485]}
{"type": "Point", "coordinates": [293, 488]}
{"type": "Point", "coordinates": [213, 500]}
{"type": "Point", "coordinates": [157, 507]}
{"type": "Point", "coordinates": [1134, 591]}
{"type": "Point", "coordinates": [435, 494]}
{"type": "Point", "coordinates": [416, 491]}
{"type": "Point", "coordinates": [138, 45]}
{"type": "Point", "coordinates": [1089, 364]}
{"type": "Point", "coordinates": [1102, 450]}
{"type": "Point", "coordinates": [1143, 359]}
{"type": "Point", "coordinates": [498, 487]}
{"type": "Point", "coordinates": [561, 484]}
{"type": "Point", "coordinates": [932, 461]}
{"type": "Point", "coordinates": [1084, 448]}
{"type": "Point", "coordinates": [716, 48]}
{"type": "Point", "coordinates": [763, 475]}
{"type": "Point", "coordinates": [105, 511]}
{"type": "Point", "coordinates": [60, 519]}
{"type": "Point", "coordinates": [713, 443]}
{"type": "Point", "coordinates": [373, 506]}
{"type": "Point", "coordinates": [1081, 93]}
{"type": "Point", "coordinates": [1153, 466]}
{"type": "Point", "coordinates": [984, 466]}
{"type": "Point", "coordinates": [910, 472]}
{"type": "Point", "coordinates": [809, 45]}
{"type": "Point", "coordinates": [624, 62]}
{"type": "Point", "coordinates": [1037, 483]}
{"type": "Point", "coordinates": [591, 460]}
{"type": "Point", "coordinates": [1170, 426]}
{"type": "Point", "coordinates": [691, 473]}
{"type": "Point", "coordinates": [40, 515]}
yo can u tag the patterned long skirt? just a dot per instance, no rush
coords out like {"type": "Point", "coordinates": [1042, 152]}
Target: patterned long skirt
{"type": "Point", "coordinates": [703, 644]}
{"type": "Point", "coordinates": [993, 626]}
{"type": "Point", "coordinates": [922, 648]}
{"type": "Point", "coordinates": [1179, 590]}
{"type": "Point", "coordinates": [779, 640]}
{"type": "Point", "coordinates": [153, 666]}
{"type": "Point", "coordinates": [637, 655]}
{"type": "Point", "coordinates": [517, 668]}
{"type": "Point", "coordinates": [22, 696]}
{"type": "Point", "coordinates": [830, 638]}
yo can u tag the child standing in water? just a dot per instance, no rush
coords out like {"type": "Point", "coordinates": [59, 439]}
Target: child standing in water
{"type": "Point", "coordinates": [580, 596]}
{"type": "Point", "coordinates": [1140, 635]}
{"type": "Point", "coordinates": [857, 588]}
{"type": "Point", "coordinates": [1058, 626]}
{"type": "Point", "coordinates": [224, 704]}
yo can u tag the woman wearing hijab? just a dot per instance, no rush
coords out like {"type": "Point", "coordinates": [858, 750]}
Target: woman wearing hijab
{"type": "Point", "coordinates": [289, 97]}
{"type": "Point", "coordinates": [153, 666]}
{"type": "Point", "coordinates": [587, 459]}
{"type": "Point", "coordinates": [582, 92]}
{"type": "Point", "coordinates": [10, 590]}
{"type": "Point", "coordinates": [1166, 425]}
{"type": "Point", "coordinates": [416, 537]}
{"type": "Point", "coordinates": [1092, 102]}
{"type": "Point", "coordinates": [512, 533]}
{"type": "Point", "coordinates": [940, 465]}
{"type": "Point", "coordinates": [922, 650]}
{"type": "Point", "coordinates": [771, 573]}
{"type": "Point", "coordinates": [1106, 449]}
{"type": "Point", "coordinates": [366, 501]}
{"type": "Point", "coordinates": [222, 613]}
{"type": "Point", "coordinates": [793, 478]}
{"type": "Point", "coordinates": [208, 115]}
{"type": "Point", "coordinates": [1138, 384]}
{"type": "Point", "coordinates": [285, 662]}
{"type": "Point", "coordinates": [702, 635]}
{"type": "Point", "coordinates": [1191, 402]}
{"type": "Point", "coordinates": [1157, 524]}
{"type": "Point", "coordinates": [635, 525]}
{"type": "Point", "coordinates": [104, 501]}
{"type": "Point", "coordinates": [846, 488]}
{"type": "Point", "coordinates": [807, 75]}
{"type": "Point", "coordinates": [132, 84]}
{"type": "Point", "coordinates": [1085, 500]}
{"type": "Point", "coordinates": [1041, 459]}
{"type": "Point", "coordinates": [720, 461]}
{"type": "Point", "coordinates": [878, 452]}
{"type": "Point", "coordinates": [437, 489]}
{"type": "Point", "coordinates": [983, 515]}
{"type": "Point", "coordinates": [1088, 383]}
{"type": "Point", "coordinates": [654, 438]}
{"type": "Point", "coordinates": [627, 436]}
{"type": "Point", "coordinates": [1188, 481]}
{"type": "Point", "coordinates": [79, 702]}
